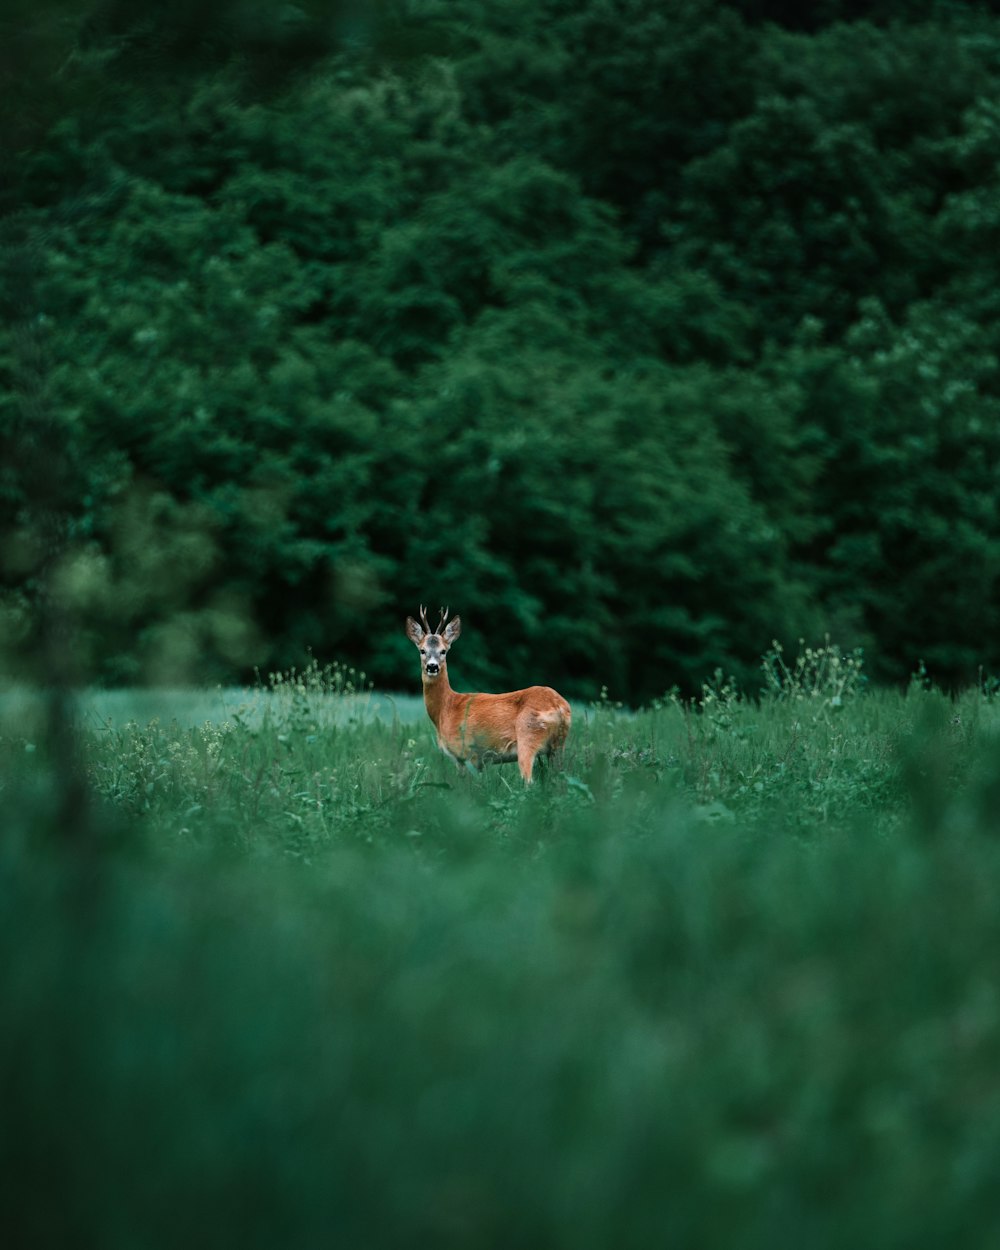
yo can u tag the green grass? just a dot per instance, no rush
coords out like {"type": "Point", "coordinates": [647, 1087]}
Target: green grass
{"type": "Point", "coordinates": [729, 977]}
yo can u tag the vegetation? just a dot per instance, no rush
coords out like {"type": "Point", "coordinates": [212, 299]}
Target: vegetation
{"type": "Point", "coordinates": [731, 972]}
{"type": "Point", "coordinates": [648, 336]}
{"type": "Point", "coordinates": [672, 323]}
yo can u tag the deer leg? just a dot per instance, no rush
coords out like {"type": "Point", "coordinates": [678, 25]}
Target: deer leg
{"type": "Point", "coordinates": [526, 751]}
{"type": "Point", "coordinates": [532, 735]}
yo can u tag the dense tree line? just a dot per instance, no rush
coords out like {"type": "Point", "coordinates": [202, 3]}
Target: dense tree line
{"type": "Point", "coordinates": [640, 333]}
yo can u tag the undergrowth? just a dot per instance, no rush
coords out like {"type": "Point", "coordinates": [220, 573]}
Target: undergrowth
{"type": "Point", "coordinates": [813, 750]}
{"type": "Point", "coordinates": [727, 976]}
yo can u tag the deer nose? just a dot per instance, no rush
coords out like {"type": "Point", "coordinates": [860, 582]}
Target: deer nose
{"type": "Point", "coordinates": [433, 668]}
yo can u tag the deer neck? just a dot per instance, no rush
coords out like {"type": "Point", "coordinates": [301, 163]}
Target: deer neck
{"type": "Point", "coordinates": [437, 695]}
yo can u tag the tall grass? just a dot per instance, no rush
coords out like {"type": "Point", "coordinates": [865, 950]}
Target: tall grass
{"type": "Point", "coordinates": [729, 977]}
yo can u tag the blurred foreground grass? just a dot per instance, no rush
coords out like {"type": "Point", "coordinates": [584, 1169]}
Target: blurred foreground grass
{"type": "Point", "coordinates": [729, 978]}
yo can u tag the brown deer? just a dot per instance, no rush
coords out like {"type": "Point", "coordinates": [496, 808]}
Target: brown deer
{"type": "Point", "coordinates": [483, 729]}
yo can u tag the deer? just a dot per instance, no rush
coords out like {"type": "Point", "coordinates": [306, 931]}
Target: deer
{"type": "Point", "coordinates": [478, 729]}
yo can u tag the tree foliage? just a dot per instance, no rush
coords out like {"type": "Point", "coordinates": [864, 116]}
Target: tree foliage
{"type": "Point", "coordinates": [641, 334]}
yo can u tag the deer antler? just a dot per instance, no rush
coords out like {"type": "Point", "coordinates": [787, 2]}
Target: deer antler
{"type": "Point", "coordinates": [423, 619]}
{"type": "Point", "coordinates": [444, 617]}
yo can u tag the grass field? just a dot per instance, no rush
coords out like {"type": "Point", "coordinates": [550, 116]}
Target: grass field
{"type": "Point", "coordinates": [729, 977]}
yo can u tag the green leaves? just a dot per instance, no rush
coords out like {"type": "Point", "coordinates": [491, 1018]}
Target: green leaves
{"type": "Point", "coordinates": [613, 319]}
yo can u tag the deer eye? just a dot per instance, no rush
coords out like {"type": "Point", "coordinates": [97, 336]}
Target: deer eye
{"type": "Point", "coordinates": [423, 651]}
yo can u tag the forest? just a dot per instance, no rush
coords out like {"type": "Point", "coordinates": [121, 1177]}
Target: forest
{"type": "Point", "coordinates": [645, 335]}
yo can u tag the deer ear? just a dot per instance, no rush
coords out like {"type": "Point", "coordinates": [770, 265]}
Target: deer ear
{"type": "Point", "coordinates": [414, 631]}
{"type": "Point", "coordinates": [452, 630]}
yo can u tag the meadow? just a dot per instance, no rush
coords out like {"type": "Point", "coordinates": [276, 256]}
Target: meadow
{"type": "Point", "coordinates": [274, 972]}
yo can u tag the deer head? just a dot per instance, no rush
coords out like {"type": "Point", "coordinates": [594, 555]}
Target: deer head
{"type": "Point", "coordinates": [433, 646]}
